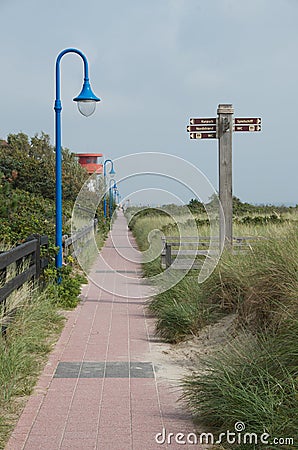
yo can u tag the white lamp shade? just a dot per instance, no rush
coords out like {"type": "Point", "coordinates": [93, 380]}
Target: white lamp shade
{"type": "Point", "coordinates": [86, 107]}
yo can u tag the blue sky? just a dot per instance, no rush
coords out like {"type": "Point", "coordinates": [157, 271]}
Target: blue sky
{"type": "Point", "coordinates": [155, 64]}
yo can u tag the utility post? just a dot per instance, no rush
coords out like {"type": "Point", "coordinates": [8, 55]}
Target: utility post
{"type": "Point", "coordinates": [225, 131]}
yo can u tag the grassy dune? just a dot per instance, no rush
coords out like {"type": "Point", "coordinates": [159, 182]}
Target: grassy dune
{"type": "Point", "coordinates": [254, 379]}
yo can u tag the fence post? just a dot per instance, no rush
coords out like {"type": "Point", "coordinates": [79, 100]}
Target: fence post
{"type": "Point", "coordinates": [3, 273]}
{"type": "Point", "coordinates": [95, 224]}
{"type": "Point", "coordinates": [168, 255]}
{"type": "Point", "coordinates": [64, 246]}
{"type": "Point", "coordinates": [36, 254]}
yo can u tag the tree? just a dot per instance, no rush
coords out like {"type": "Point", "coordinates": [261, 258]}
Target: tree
{"type": "Point", "coordinates": [33, 160]}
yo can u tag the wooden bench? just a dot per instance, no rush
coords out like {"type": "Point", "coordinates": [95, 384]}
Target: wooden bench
{"type": "Point", "coordinates": [197, 249]}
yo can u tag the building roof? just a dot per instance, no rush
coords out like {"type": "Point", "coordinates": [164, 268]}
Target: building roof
{"type": "Point", "coordinates": [89, 154]}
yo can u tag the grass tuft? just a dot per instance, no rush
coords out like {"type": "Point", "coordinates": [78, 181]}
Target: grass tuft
{"type": "Point", "coordinates": [253, 380]}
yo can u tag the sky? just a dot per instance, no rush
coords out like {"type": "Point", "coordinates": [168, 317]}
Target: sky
{"type": "Point", "coordinates": [156, 64]}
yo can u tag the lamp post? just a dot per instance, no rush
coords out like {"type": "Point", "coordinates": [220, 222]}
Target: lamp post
{"type": "Point", "coordinates": [111, 195]}
{"type": "Point", "coordinates": [112, 172]}
{"type": "Point", "coordinates": [86, 102]}
{"type": "Point", "coordinates": [117, 193]}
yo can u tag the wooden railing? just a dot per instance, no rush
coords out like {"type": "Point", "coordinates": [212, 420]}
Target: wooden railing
{"type": "Point", "coordinates": [197, 249]}
{"type": "Point", "coordinates": [26, 261]}
{"type": "Point", "coordinates": [82, 237]}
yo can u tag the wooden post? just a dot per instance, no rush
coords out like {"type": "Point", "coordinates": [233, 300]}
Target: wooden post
{"type": "Point", "coordinates": [225, 131]}
{"type": "Point", "coordinates": [168, 255]}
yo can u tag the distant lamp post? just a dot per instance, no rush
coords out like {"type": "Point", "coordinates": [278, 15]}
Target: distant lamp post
{"type": "Point", "coordinates": [86, 102]}
{"type": "Point", "coordinates": [112, 172]}
{"type": "Point", "coordinates": [112, 191]}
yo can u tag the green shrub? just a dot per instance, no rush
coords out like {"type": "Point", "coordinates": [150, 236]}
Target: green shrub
{"type": "Point", "coordinates": [65, 293]}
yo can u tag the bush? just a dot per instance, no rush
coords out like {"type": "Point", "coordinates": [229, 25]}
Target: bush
{"type": "Point", "coordinates": [65, 293]}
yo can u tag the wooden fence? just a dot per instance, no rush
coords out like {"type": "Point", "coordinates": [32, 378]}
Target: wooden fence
{"type": "Point", "coordinates": [185, 250]}
{"type": "Point", "coordinates": [25, 260]}
{"type": "Point", "coordinates": [82, 237]}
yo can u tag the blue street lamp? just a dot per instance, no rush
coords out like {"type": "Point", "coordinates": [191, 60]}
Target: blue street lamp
{"type": "Point", "coordinates": [86, 102]}
{"type": "Point", "coordinates": [112, 190]}
{"type": "Point", "coordinates": [112, 172]}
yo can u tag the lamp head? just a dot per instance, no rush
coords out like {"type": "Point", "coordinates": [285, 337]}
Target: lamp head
{"type": "Point", "coordinates": [86, 100]}
{"type": "Point", "coordinates": [112, 171]}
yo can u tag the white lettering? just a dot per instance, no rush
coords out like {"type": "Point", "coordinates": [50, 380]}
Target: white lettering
{"type": "Point", "coordinates": [219, 440]}
{"type": "Point", "coordinates": [252, 438]}
{"type": "Point", "coordinates": [162, 435]}
{"type": "Point", "coordinates": [264, 438]}
{"type": "Point", "coordinates": [195, 438]}
{"type": "Point", "coordinates": [170, 435]}
{"type": "Point", "coordinates": [206, 436]}
{"type": "Point", "coordinates": [232, 436]}
{"type": "Point", "coordinates": [179, 437]}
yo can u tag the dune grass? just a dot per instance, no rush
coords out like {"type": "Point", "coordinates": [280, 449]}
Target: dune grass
{"type": "Point", "coordinates": [254, 379]}
{"type": "Point", "coordinates": [29, 337]}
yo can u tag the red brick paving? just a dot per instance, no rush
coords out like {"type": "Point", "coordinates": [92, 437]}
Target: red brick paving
{"type": "Point", "coordinates": [104, 413]}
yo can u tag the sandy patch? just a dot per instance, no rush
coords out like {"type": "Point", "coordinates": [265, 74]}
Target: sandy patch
{"type": "Point", "coordinates": [174, 361]}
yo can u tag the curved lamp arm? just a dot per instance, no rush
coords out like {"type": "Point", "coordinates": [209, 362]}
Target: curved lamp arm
{"type": "Point", "coordinates": [86, 70]}
{"type": "Point", "coordinates": [112, 171]}
{"type": "Point", "coordinates": [112, 180]}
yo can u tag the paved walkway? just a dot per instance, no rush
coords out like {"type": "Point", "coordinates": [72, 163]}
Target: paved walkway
{"type": "Point", "coordinates": [100, 388]}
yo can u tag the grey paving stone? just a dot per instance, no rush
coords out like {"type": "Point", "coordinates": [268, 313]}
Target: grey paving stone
{"type": "Point", "coordinates": [68, 370]}
{"type": "Point", "coordinates": [92, 370]}
{"type": "Point", "coordinates": [141, 370]}
{"type": "Point", "coordinates": [118, 369]}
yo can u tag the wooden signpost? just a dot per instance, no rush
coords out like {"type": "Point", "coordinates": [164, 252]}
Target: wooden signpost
{"type": "Point", "coordinates": [222, 128]}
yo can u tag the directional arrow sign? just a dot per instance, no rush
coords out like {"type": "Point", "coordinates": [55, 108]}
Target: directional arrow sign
{"type": "Point", "coordinates": [202, 121]}
{"type": "Point", "coordinates": [248, 121]}
{"type": "Point", "coordinates": [201, 128]}
{"type": "Point", "coordinates": [202, 136]}
{"type": "Point", "coordinates": [247, 128]}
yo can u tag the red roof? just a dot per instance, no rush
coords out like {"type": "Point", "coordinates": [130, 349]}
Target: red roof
{"type": "Point", "coordinates": [89, 154]}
